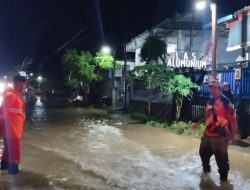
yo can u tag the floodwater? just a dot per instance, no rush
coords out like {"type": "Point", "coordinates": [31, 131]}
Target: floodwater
{"type": "Point", "coordinates": [75, 149]}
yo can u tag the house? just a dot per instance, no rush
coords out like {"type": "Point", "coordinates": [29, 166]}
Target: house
{"type": "Point", "coordinates": [188, 45]}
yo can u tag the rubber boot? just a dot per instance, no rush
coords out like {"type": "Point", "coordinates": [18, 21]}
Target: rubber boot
{"type": "Point", "coordinates": [4, 165]}
{"type": "Point", "coordinates": [223, 177]}
{"type": "Point", "coordinates": [13, 169]}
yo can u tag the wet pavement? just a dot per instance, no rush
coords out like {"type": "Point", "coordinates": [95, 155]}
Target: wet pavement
{"type": "Point", "coordinates": [77, 148]}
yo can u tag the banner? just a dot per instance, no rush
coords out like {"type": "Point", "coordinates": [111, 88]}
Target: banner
{"type": "Point", "coordinates": [239, 34]}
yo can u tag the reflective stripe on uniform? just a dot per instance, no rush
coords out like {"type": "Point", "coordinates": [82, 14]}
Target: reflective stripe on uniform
{"type": "Point", "coordinates": [14, 110]}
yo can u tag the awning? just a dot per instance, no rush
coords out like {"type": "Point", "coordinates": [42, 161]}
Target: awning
{"type": "Point", "coordinates": [239, 34]}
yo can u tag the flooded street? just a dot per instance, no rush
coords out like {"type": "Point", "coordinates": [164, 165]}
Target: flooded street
{"type": "Point", "coordinates": [75, 149]}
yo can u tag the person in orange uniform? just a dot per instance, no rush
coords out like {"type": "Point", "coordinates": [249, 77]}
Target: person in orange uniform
{"type": "Point", "coordinates": [220, 130]}
{"type": "Point", "coordinates": [13, 108]}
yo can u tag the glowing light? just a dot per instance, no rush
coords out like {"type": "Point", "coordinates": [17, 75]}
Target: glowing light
{"type": "Point", "coordinates": [39, 78]}
{"type": "Point", "coordinates": [1, 87]}
{"type": "Point", "coordinates": [106, 50]}
{"type": "Point", "coordinates": [201, 5]}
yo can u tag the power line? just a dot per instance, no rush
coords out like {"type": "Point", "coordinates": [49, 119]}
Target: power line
{"type": "Point", "coordinates": [69, 41]}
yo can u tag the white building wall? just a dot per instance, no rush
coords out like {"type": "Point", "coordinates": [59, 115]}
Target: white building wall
{"type": "Point", "coordinates": [138, 60]}
{"type": "Point", "coordinates": [201, 45]}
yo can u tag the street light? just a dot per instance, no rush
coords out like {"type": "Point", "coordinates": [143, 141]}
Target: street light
{"type": "Point", "coordinates": [39, 79]}
{"type": "Point", "coordinates": [201, 5]}
{"type": "Point", "coordinates": [107, 50]}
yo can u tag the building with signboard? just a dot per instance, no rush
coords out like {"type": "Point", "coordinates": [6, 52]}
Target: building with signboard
{"type": "Point", "coordinates": [187, 35]}
{"type": "Point", "coordinates": [188, 46]}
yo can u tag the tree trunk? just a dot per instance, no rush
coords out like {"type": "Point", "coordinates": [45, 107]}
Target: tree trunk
{"type": "Point", "coordinates": [179, 100]}
{"type": "Point", "coordinates": [149, 99]}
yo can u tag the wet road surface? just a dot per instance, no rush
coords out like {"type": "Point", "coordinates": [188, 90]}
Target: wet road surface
{"type": "Point", "coordinates": [75, 149]}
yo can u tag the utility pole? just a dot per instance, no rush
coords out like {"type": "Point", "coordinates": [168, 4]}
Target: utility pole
{"type": "Point", "coordinates": [201, 5]}
{"type": "Point", "coordinates": [214, 37]}
{"type": "Point", "coordinates": [113, 84]}
{"type": "Point", "coordinates": [125, 78]}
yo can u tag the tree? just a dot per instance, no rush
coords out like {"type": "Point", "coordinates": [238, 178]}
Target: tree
{"type": "Point", "coordinates": [70, 61]}
{"type": "Point", "coordinates": [153, 49]}
{"type": "Point", "coordinates": [83, 67]}
{"type": "Point", "coordinates": [104, 61]}
{"type": "Point", "coordinates": [150, 74]}
{"type": "Point", "coordinates": [79, 67]}
{"type": "Point", "coordinates": [87, 67]}
{"type": "Point", "coordinates": [179, 86]}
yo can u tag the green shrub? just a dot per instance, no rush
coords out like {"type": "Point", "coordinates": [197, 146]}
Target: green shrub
{"type": "Point", "coordinates": [157, 124]}
{"type": "Point", "coordinates": [199, 132]}
{"type": "Point", "coordinates": [180, 127]}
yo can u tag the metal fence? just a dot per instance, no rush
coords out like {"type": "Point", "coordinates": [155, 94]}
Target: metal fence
{"type": "Point", "coordinates": [244, 90]}
{"type": "Point", "coordinates": [197, 111]}
{"type": "Point", "coordinates": [240, 89]}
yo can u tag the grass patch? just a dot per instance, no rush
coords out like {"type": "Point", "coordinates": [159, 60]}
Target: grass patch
{"type": "Point", "coordinates": [157, 124]}
{"type": "Point", "coordinates": [180, 128]}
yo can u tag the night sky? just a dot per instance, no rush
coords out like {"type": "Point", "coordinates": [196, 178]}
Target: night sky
{"type": "Point", "coordinates": [37, 28]}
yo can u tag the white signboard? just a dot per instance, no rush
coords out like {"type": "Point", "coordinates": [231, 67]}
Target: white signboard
{"type": "Point", "coordinates": [208, 77]}
{"type": "Point", "coordinates": [237, 73]}
{"type": "Point", "coordinates": [186, 61]}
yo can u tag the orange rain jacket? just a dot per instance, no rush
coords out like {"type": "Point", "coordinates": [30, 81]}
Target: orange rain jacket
{"type": "Point", "coordinates": [221, 114]}
{"type": "Point", "coordinates": [12, 114]}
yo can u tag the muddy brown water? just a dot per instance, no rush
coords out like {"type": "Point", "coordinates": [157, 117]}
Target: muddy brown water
{"type": "Point", "coordinates": [75, 149]}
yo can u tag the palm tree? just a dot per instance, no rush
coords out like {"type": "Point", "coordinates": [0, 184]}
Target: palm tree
{"type": "Point", "coordinates": [153, 49]}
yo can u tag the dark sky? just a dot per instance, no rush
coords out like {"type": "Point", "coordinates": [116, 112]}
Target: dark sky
{"type": "Point", "coordinates": [37, 28]}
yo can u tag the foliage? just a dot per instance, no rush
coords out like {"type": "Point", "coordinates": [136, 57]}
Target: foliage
{"type": "Point", "coordinates": [198, 132]}
{"type": "Point", "coordinates": [79, 67]}
{"type": "Point", "coordinates": [70, 60]}
{"type": "Point", "coordinates": [153, 49]}
{"type": "Point", "coordinates": [73, 83]}
{"type": "Point", "coordinates": [186, 128]}
{"type": "Point", "coordinates": [179, 86]}
{"type": "Point", "coordinates": [86, 67]}
{"type": "Point", "coordinates": [104, 61]}
{"type": "Point", "coordinates": [179, 127]}
{"type": "Point", "coordinates": [157, 124]}
{"type": "Point", "coordinates": [150, 74]}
